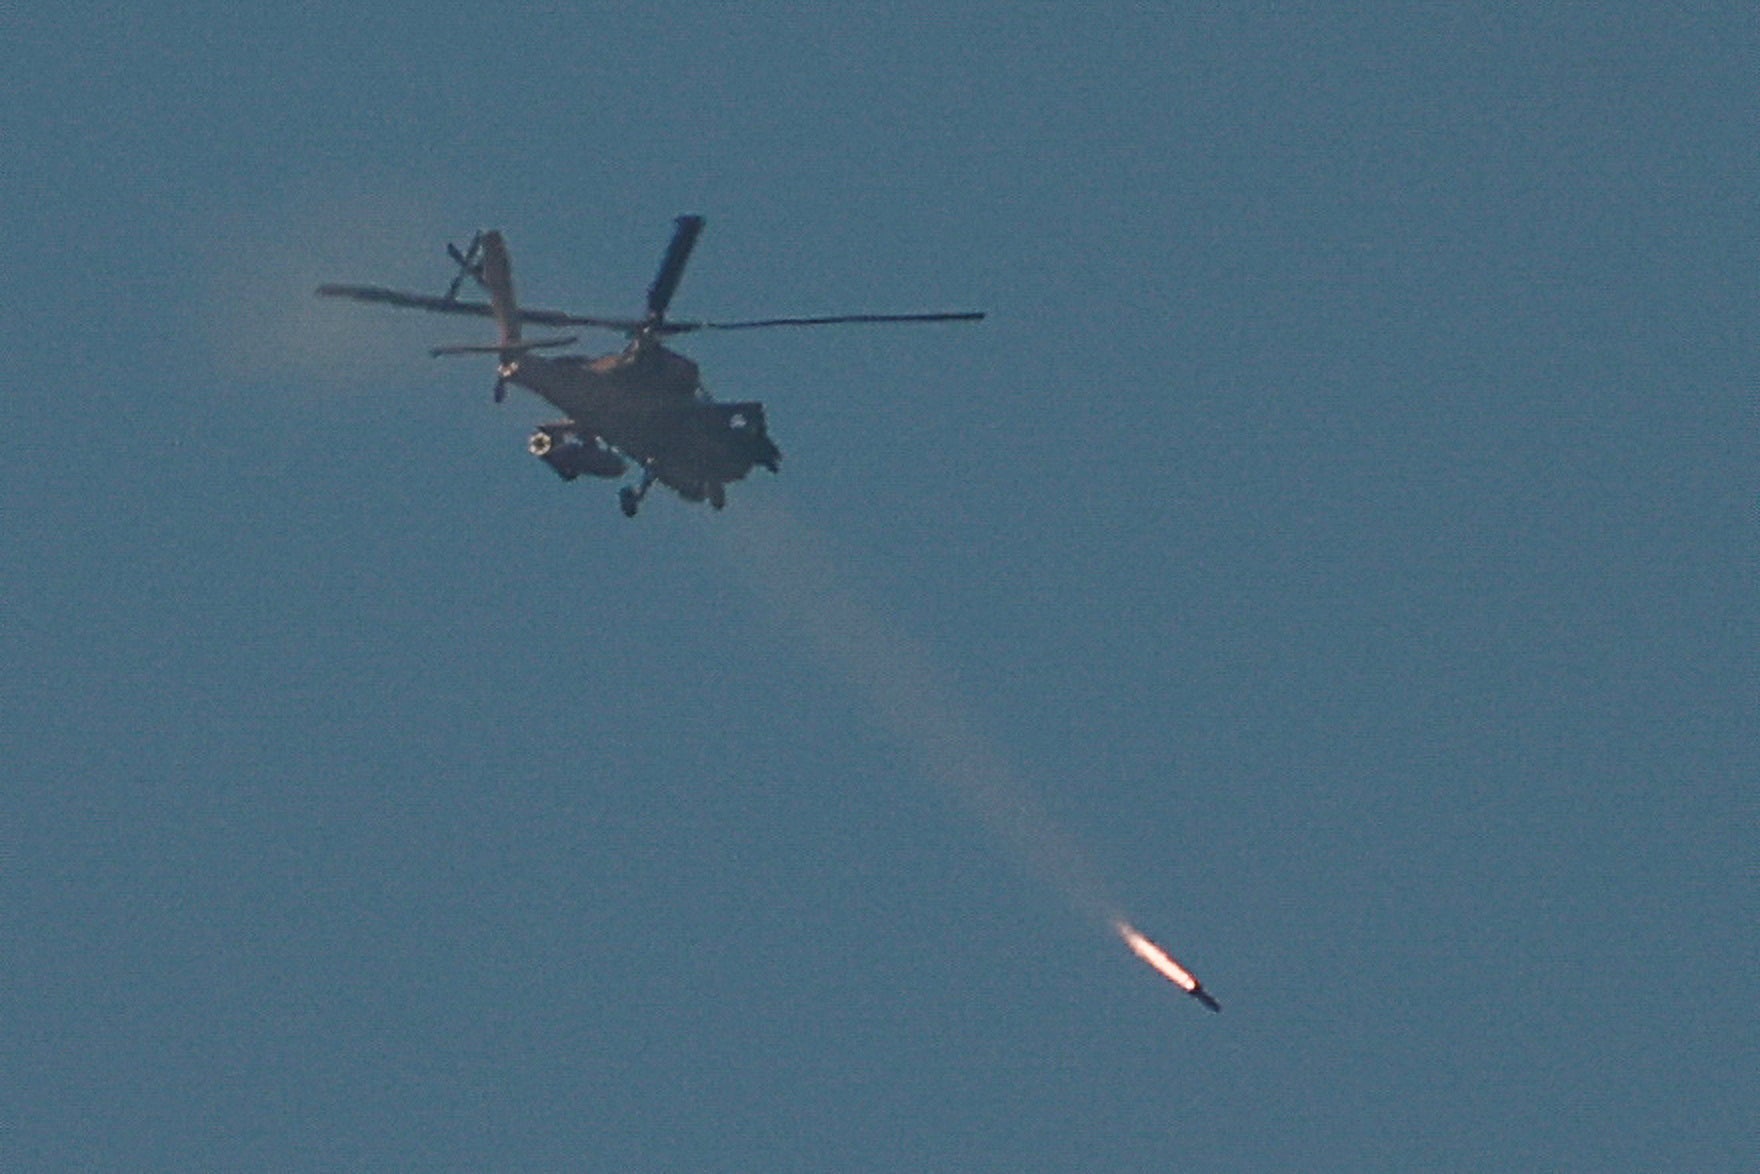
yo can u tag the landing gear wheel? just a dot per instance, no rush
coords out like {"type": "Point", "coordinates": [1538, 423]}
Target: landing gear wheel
{"type": "Point", "coordinates": [629, 498]}
{"type": "Point", "coordinates": [717, 495]}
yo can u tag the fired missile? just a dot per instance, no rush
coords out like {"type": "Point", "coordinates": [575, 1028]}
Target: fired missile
{"type": "Point", "coordinates": [1162, 964]}
{"type": "Point", "coordinates": [1205, 997]}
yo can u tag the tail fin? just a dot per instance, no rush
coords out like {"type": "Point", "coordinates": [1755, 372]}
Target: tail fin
{"type": "Point", "coordinates": [497, 276]}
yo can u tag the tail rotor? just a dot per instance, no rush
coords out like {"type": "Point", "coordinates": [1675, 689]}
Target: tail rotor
{"type": "Point", "coordinates": [469, 262]}
{"type": "Point", "coordinates": [485, 261]}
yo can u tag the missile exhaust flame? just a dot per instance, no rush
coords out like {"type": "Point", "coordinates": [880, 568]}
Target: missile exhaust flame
{"type": "Point", "coordinates": [1164, 965]}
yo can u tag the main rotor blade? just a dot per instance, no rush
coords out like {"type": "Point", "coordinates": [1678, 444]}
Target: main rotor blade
{"type": "Point", "coordinates": [678, 251]}
{"type": "Point", "coordinates": [835, 320]}
{"type": "Point", "coordinates": [415, 301]}
{"type": "Point", "coordinates": [412, 301]}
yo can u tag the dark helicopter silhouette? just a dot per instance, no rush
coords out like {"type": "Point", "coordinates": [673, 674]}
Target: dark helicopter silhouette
{"type": "Point", "coordinates": [644, 405]}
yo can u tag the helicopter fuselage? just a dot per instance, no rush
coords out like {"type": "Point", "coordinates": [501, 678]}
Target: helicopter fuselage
{"type": "Point", "coordinates": [647, 404]}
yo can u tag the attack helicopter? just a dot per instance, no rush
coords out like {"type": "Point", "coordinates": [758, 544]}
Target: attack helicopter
{"type": "Point", "coordinates": [643, 406]}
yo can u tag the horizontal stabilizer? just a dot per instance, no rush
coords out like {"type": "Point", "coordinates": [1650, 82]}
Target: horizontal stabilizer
{"type": "Point", "coordinates": [503, 349]}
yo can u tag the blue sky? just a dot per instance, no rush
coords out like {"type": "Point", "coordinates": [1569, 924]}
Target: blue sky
{"type": "Point", "coordinates": [1341, 535]}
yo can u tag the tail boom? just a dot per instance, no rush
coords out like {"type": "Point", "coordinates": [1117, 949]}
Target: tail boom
{"type": "Point", "coordinates": [497, 278]}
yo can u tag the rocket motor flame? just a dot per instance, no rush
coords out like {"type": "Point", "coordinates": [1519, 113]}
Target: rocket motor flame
{"type": "Point", "coordinates": [1156, 957]}
{"type": "Point", "coordinates": [1159, 961]}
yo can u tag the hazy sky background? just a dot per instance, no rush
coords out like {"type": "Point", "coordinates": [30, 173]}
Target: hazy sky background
{"type": "Point", "coordinates": [1343, 530]}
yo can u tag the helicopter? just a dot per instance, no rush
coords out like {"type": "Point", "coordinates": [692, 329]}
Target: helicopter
{"type": "Point", "coordinates": [644, 406]}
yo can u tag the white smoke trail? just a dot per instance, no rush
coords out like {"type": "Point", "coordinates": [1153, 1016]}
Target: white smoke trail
{"type": "Point", "coordinates": [786, 565]}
